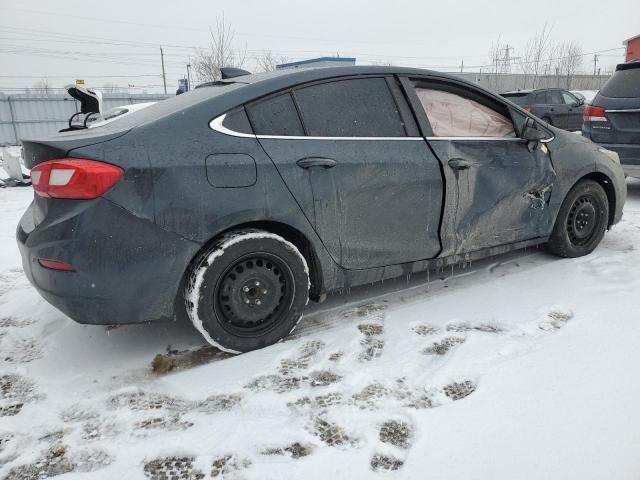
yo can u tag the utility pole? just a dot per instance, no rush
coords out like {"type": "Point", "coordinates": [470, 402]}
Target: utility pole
{"type": "Point", "coordinates": [462, 65]}
{"type": "Point", "coordinates": [595, 63]}
{"type": "Point", "coordinates": [164, 76]}
{"type": "Point", "coordinates": [188, 77]}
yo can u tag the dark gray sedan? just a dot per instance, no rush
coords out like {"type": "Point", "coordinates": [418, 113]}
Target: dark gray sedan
{"type": "Point", "coordinates": [234, 204]}
{"type": "Point", "coordinates": [556, 106]}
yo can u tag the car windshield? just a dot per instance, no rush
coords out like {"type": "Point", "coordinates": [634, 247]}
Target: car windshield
{"type": "Point", "coordinates": [517, 98]}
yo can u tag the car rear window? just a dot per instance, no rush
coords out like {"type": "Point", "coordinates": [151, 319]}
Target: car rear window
{"type": "Point", "coordinates": [541, 98]}
{"type": "Point", "coordinates": [623, 84]}
{"type": "Point", "coordinates": [350, 108]}
{"type": "Point", "coordinates": [275, 116]}
{"type": "Point", "coordinates": [237, 121]}
{"type": "Point", "coordinates": [518, 99]}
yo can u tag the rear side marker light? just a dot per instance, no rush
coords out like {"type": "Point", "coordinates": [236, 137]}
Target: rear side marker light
{"type": "Point", "coordinates": [55, 265]}
{"type": "Point", "coordinates": [74, 178]}
{"type": "Point", "coordinates": [594, 114]}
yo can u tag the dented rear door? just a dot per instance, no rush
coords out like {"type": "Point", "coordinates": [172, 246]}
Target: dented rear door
{"type": "Point", "coordinates": [502, 184]}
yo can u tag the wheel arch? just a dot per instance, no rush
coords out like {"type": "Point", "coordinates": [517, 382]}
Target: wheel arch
{"type": "Point", "coordinates": [289, 233]}
{"type": "Point", "coordinates": [606, 183]}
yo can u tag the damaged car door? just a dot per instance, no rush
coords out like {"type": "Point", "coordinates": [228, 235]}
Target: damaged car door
{"type": "Point", "coordinates": [361, 172]}
{"type": "Point", "coordinates": [503, 182]}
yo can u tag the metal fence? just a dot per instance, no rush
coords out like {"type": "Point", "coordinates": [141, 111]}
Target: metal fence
{"type": "Point", "coordinates": [28, 116]}
{"type": "Point", "coordinates": [507, 82]}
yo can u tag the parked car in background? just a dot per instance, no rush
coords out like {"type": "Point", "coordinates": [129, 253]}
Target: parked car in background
{"type": "Point", "coordinates": [585, 95]}
{"type": "Point", "coordinates": [555, 106]}
{"type": "Point", "coordinates": [234, 204]}
{"type": "Point", "coordinates": [613, 117]}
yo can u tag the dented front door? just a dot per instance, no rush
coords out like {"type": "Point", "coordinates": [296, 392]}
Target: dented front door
{"type": "Point", "coordinates": [503, 188]}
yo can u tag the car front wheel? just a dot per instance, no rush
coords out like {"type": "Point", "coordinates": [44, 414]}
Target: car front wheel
{"type": "Point", "coordinates": [581, 222]}
{"type": "Point", "coordinates": [247, 290]}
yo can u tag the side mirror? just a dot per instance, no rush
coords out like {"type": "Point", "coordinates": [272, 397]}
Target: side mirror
{"type": "Point", "coordinates": [532, 131]}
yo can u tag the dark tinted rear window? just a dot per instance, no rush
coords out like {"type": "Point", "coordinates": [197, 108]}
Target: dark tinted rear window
{"type": "Point", "coordinates": [541, 98]}
{"type": "Point", "coordinates": [237, 121]}
{"type": "Point", "coordinates": [275, 116]}
{"type": "Point", "coordinates": [518, 99]}
{"type": "Point", "coordinates": [554, 97]}
{"type": "Point", "coordinates": [350, 108]}
{"type": "Point", "coordinates": [623, 84]}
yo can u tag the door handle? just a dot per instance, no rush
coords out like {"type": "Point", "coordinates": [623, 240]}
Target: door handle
{"type": "Point", "coordinates": [309, 162]}
{"type": "Point", "coordinates": [459, 164]}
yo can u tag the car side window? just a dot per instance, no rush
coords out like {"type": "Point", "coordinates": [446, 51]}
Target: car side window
{"type": "Point", "coordinates": [554, 97]}
{"type": "Point", "coordinates": [454, 115]}
{"type": "Point", "coordinates": [275, 116]}
{"type": "Point", "coordinates": [569, 99]}
{"type": "Point", "coordinates": [237, 121]}
{"type": "Point", "coordinates": [361, 107]}
{"type": "Point", "coordinates": [541, 98]}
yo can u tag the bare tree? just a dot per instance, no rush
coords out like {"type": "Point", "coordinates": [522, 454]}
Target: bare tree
{"type": "Point", "coordinates": [567, 61]}
{"type": "Point", "coordinates": [42, 88]}
{"type": "Point", "coordinates": [268, 60]}
{"type": "Point", "coordinates": [536, 51]}
{"type": "Point", "coordinates": [221, 53]}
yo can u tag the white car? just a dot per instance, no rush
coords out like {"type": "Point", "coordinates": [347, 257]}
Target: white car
{"type": "Point", "coordinates": [97, 119]}
{"type": "Point", "coordinates": [91, 114]}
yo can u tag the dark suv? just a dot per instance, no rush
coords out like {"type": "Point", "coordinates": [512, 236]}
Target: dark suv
{"type": "Point", "coordinates": [613, 117]}
{"type": "Point", "coordinates": [555, 106]}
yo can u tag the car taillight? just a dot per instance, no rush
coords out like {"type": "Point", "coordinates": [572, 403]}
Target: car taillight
{"type": "Point", "coordinates": [528, 109]}
{"type": "Point", "coordinates": [594, 114]}
{"type": "Point", "coordinates": [55, 265]}
{"type": "Point", "coordinates": [74, 178]}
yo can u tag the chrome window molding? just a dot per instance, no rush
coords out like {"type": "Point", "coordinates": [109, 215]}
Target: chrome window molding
{"type": "Point", "coordinates": [510, 139]}
{"type": "Point", "coordinates": [217, 125]}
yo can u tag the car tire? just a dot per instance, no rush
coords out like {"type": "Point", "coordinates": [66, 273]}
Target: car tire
{"type": "Point", "coordinates": [547, 120]}
{"type": "Point", "coordinates": [247, 290]}
{"type": "Point", "coordinates": [581, 222]}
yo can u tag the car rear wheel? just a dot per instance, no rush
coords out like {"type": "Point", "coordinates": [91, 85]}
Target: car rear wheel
{"type": "Point", "coordinates": [247, 290]}
{"type": "Point", "coordinates": [581, 222]}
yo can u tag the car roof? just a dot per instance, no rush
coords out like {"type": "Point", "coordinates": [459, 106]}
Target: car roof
{"type": "Point", "coordinates": [293, 76]}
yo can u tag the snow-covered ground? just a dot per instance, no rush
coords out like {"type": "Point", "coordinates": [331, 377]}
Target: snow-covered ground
{"type": "Point", "coordinates": [522, 366]}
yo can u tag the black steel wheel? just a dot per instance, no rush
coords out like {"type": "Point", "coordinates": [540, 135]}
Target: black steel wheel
{"type": "Point", "coordinates": [581, 222]}
{"type": "Point", "coordinates": [247, 290]}
{"type": "Point", "coordinates": [253, 292]}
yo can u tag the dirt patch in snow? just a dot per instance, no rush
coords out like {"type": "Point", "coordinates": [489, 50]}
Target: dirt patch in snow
{"type": "Point", "coordinates": [443, 346]}
{"type": "Point", "coordinates": [396, 433]}
{"type": "Point", "coordinates": [459, 390]}
{"type": "Point", "coordinates": [385, 463]}
{"type": "Point", "coordinates": [174, 468]}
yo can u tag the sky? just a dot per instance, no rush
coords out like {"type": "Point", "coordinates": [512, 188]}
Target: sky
{"type": "Point", "coordinates": [118, 42]}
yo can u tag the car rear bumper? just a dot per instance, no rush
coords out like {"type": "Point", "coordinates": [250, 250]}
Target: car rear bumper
{"type": "Point", "coordinates": [127, 269]}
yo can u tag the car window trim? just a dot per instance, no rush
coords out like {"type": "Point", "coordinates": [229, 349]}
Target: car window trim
{"type": "Point", "coordinates": [217, 125]}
